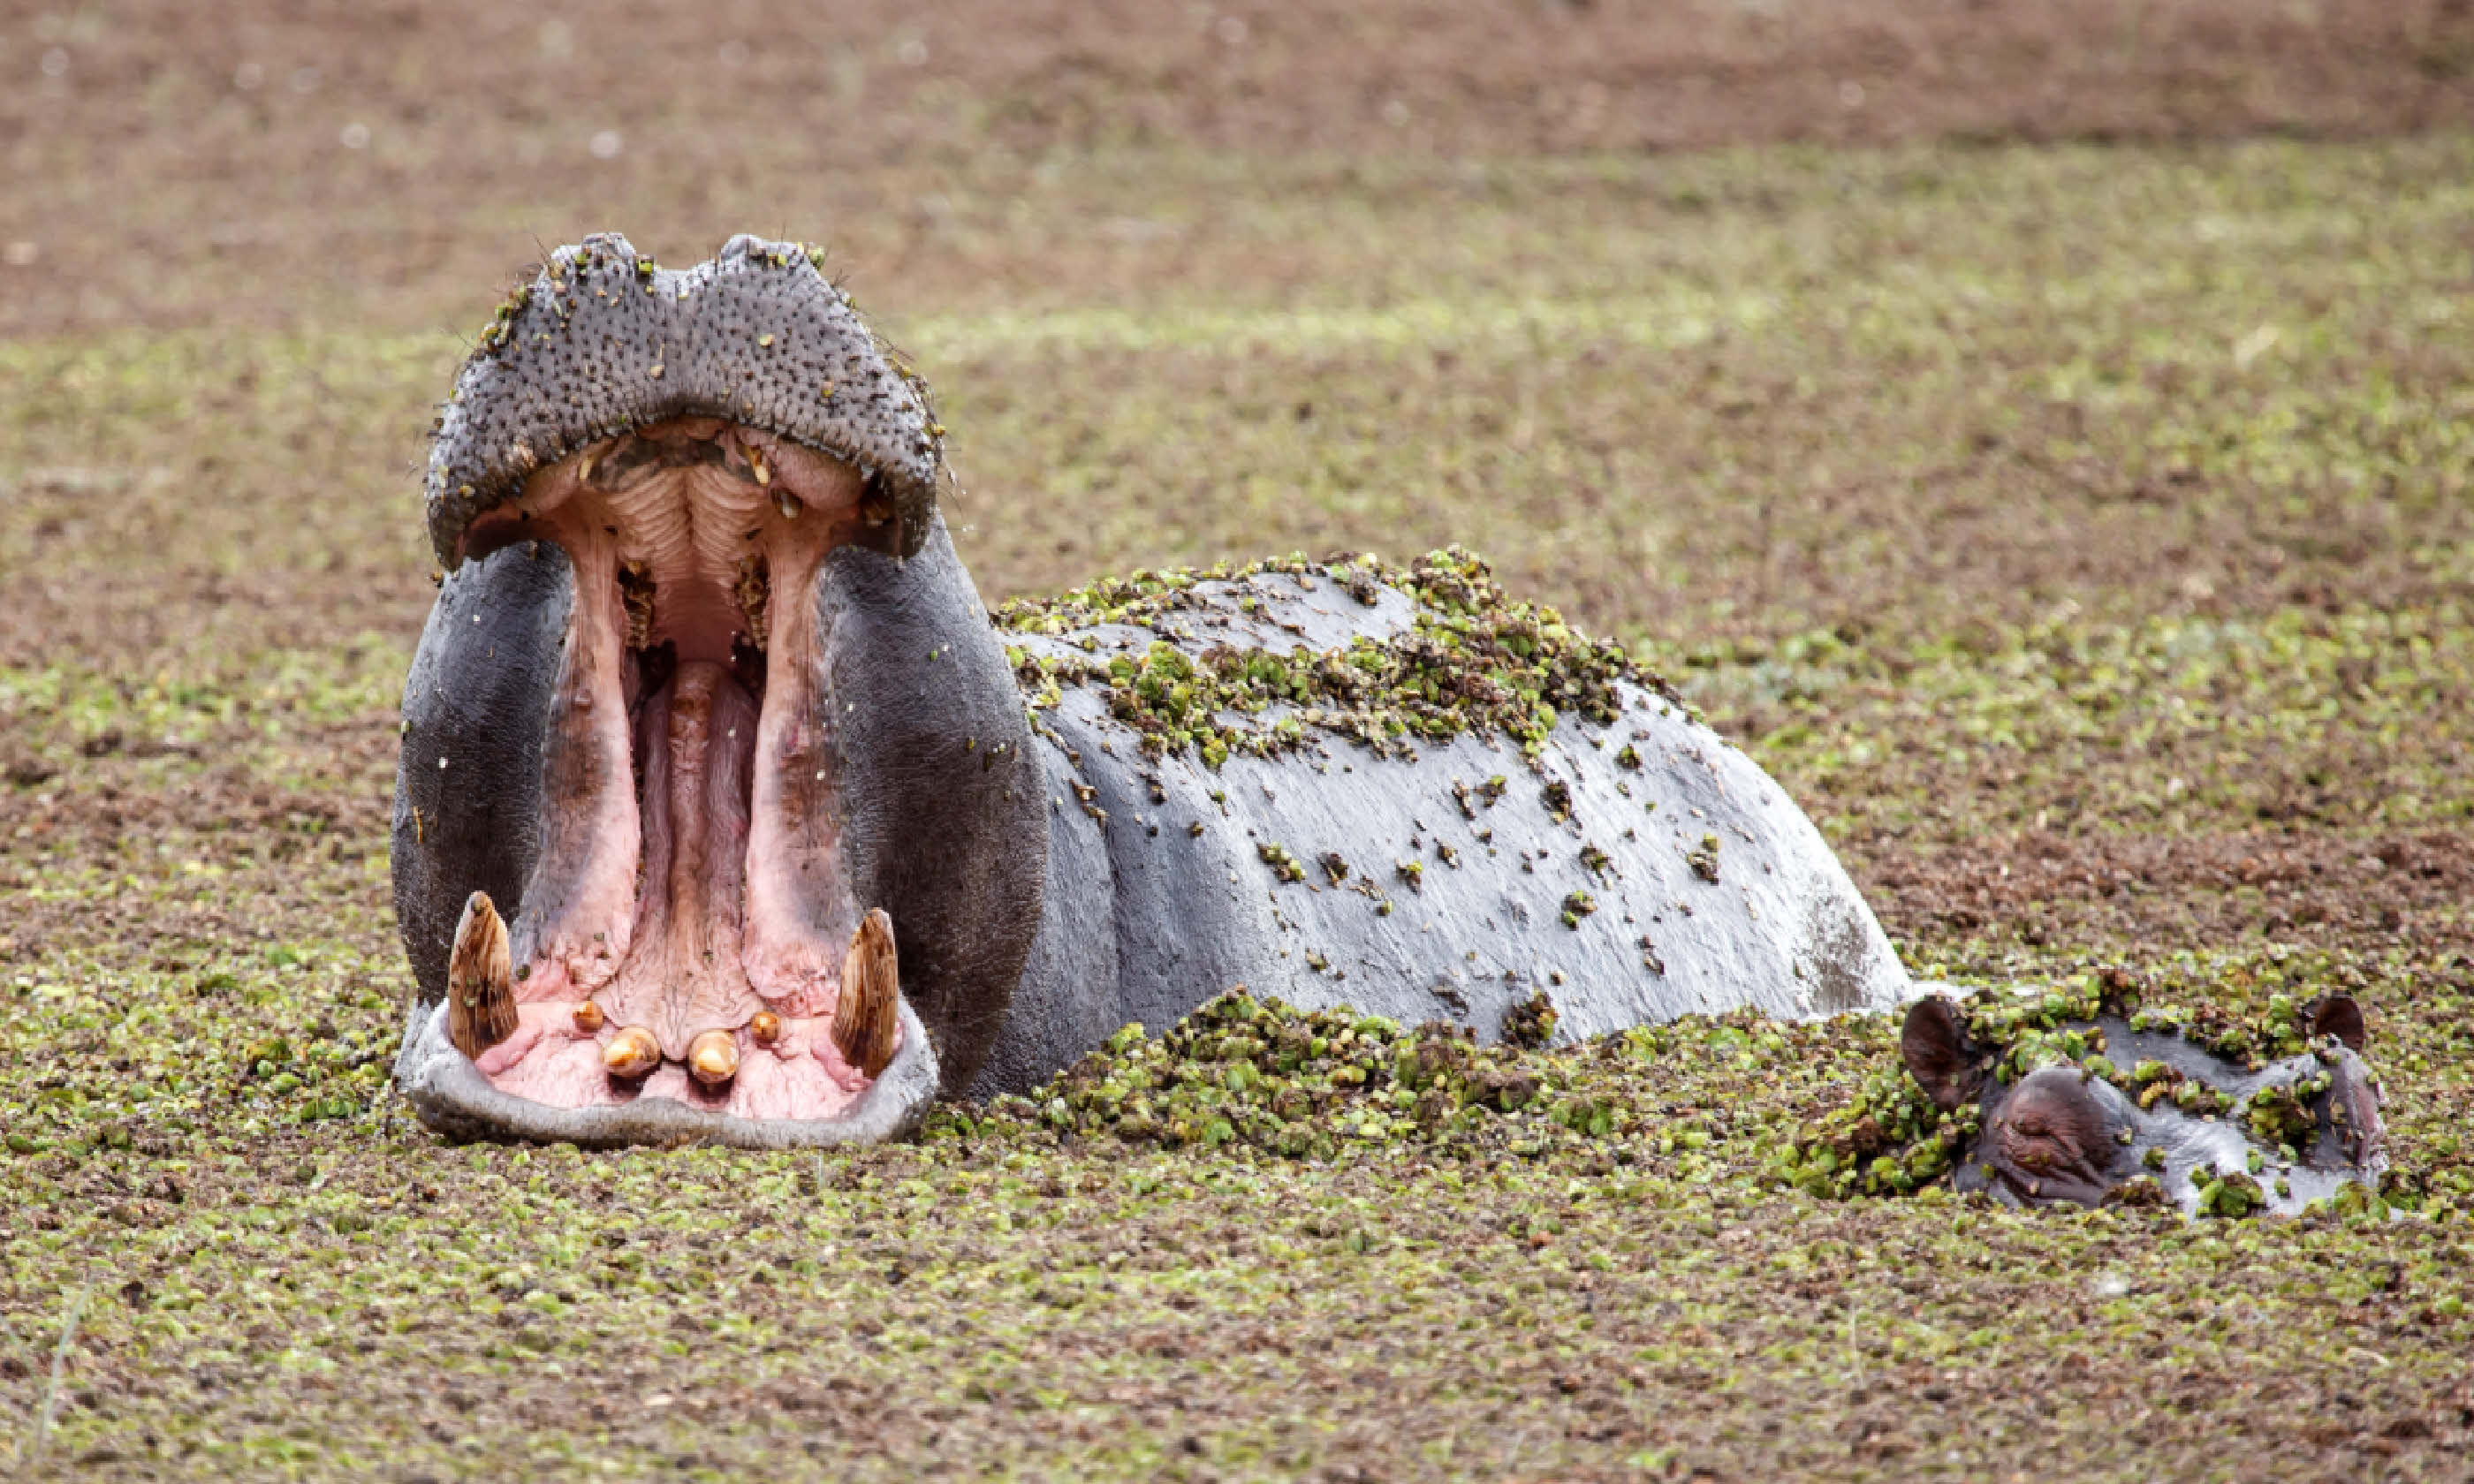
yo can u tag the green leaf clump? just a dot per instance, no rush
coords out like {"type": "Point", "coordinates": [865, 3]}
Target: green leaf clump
{"type": "Point", "coordinates": [1305, 1084]}
{"type": "Point", "coordinates": [1472, 661]}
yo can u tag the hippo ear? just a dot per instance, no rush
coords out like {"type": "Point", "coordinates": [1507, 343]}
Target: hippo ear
{"type": "Point", "coordinates": [2338, 1016]}
{"type": "Point", "coordinates": [1937, 1052]}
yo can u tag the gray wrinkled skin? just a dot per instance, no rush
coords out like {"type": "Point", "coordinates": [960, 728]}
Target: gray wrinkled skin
{"type": "Point", "coordinates": [1145, 919]}
{"type": "Point", "coordinates": [470, 783]}
{"type": "Point", "coordinates": [938, 801]}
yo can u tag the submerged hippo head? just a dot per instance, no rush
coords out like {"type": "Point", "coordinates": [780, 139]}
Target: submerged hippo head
{"type": "Point", "coordinates": [714, 819]}
{"type": "Point", "coordinates": [2121, 1107]}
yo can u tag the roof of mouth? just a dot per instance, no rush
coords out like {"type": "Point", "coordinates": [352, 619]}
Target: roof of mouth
{"type": "Point", "coordinates": [603, 340]}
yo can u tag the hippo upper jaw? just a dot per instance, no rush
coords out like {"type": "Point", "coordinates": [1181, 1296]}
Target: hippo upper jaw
{"type": "Point", "coordinates": [603, 341]}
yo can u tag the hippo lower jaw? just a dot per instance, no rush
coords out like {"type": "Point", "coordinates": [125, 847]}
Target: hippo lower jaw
{"type": "Point", "coordinates": [452, 1095]}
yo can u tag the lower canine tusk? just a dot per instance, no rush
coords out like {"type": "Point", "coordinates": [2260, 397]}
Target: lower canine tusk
{"type": "Point", "coordinates": [867, 1014]}
{"type": "Point", "coordinates": [481, 990]}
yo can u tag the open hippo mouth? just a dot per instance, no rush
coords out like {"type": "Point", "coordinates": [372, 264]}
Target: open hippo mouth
{"type": "Point", "coordinates": [708, 711]}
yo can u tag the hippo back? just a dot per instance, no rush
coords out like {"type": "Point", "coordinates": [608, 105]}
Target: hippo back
{"type": "Point", "coordinates": [1369, 840]}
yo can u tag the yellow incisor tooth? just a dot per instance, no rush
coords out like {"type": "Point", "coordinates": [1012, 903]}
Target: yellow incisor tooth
{"type": "Point", "coordinates": [713, 1057]}
{"type": "Point", "coordinates": [480, 990]}
{"type": "Point", "coordinates": [867, 1014]}
{"type": "Point", "coordinates": [765, 1027]}
{"type": "Point", "coordinates": [632, 1052]}
{"type": "Point", "coordinates": [588, 1016]}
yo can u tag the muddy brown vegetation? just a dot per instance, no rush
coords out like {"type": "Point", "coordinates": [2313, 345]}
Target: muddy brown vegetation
{"type": "Point", "coordinates": [2039, 433]}
{"type": "Point", "coordinates": [192, 166]}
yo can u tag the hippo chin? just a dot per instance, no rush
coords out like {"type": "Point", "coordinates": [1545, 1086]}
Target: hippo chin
{"type": "Point", "coordinates": [726, 812]}
{"type": "Point", "coordinates": [2121, 1107]}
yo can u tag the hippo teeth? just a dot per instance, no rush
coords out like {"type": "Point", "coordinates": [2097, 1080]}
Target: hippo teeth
{"type": "Point", "coordinates": [867, 1013]}
{"type": "Point", "coordinates": [712, 1058]}
{"type": "Point", "coordinates": [480, 986]}
{"type": "Point", "coordinates": [632, 1053]}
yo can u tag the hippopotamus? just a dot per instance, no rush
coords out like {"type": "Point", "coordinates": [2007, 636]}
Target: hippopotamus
{"type": "Point", "coordinates": [728, 812]}
{"type": "Point", "coordinates": [2138, 1107]}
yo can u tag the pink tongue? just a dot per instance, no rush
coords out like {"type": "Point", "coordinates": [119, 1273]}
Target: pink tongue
{"type": "Point", "coordinates": [697, 739]}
